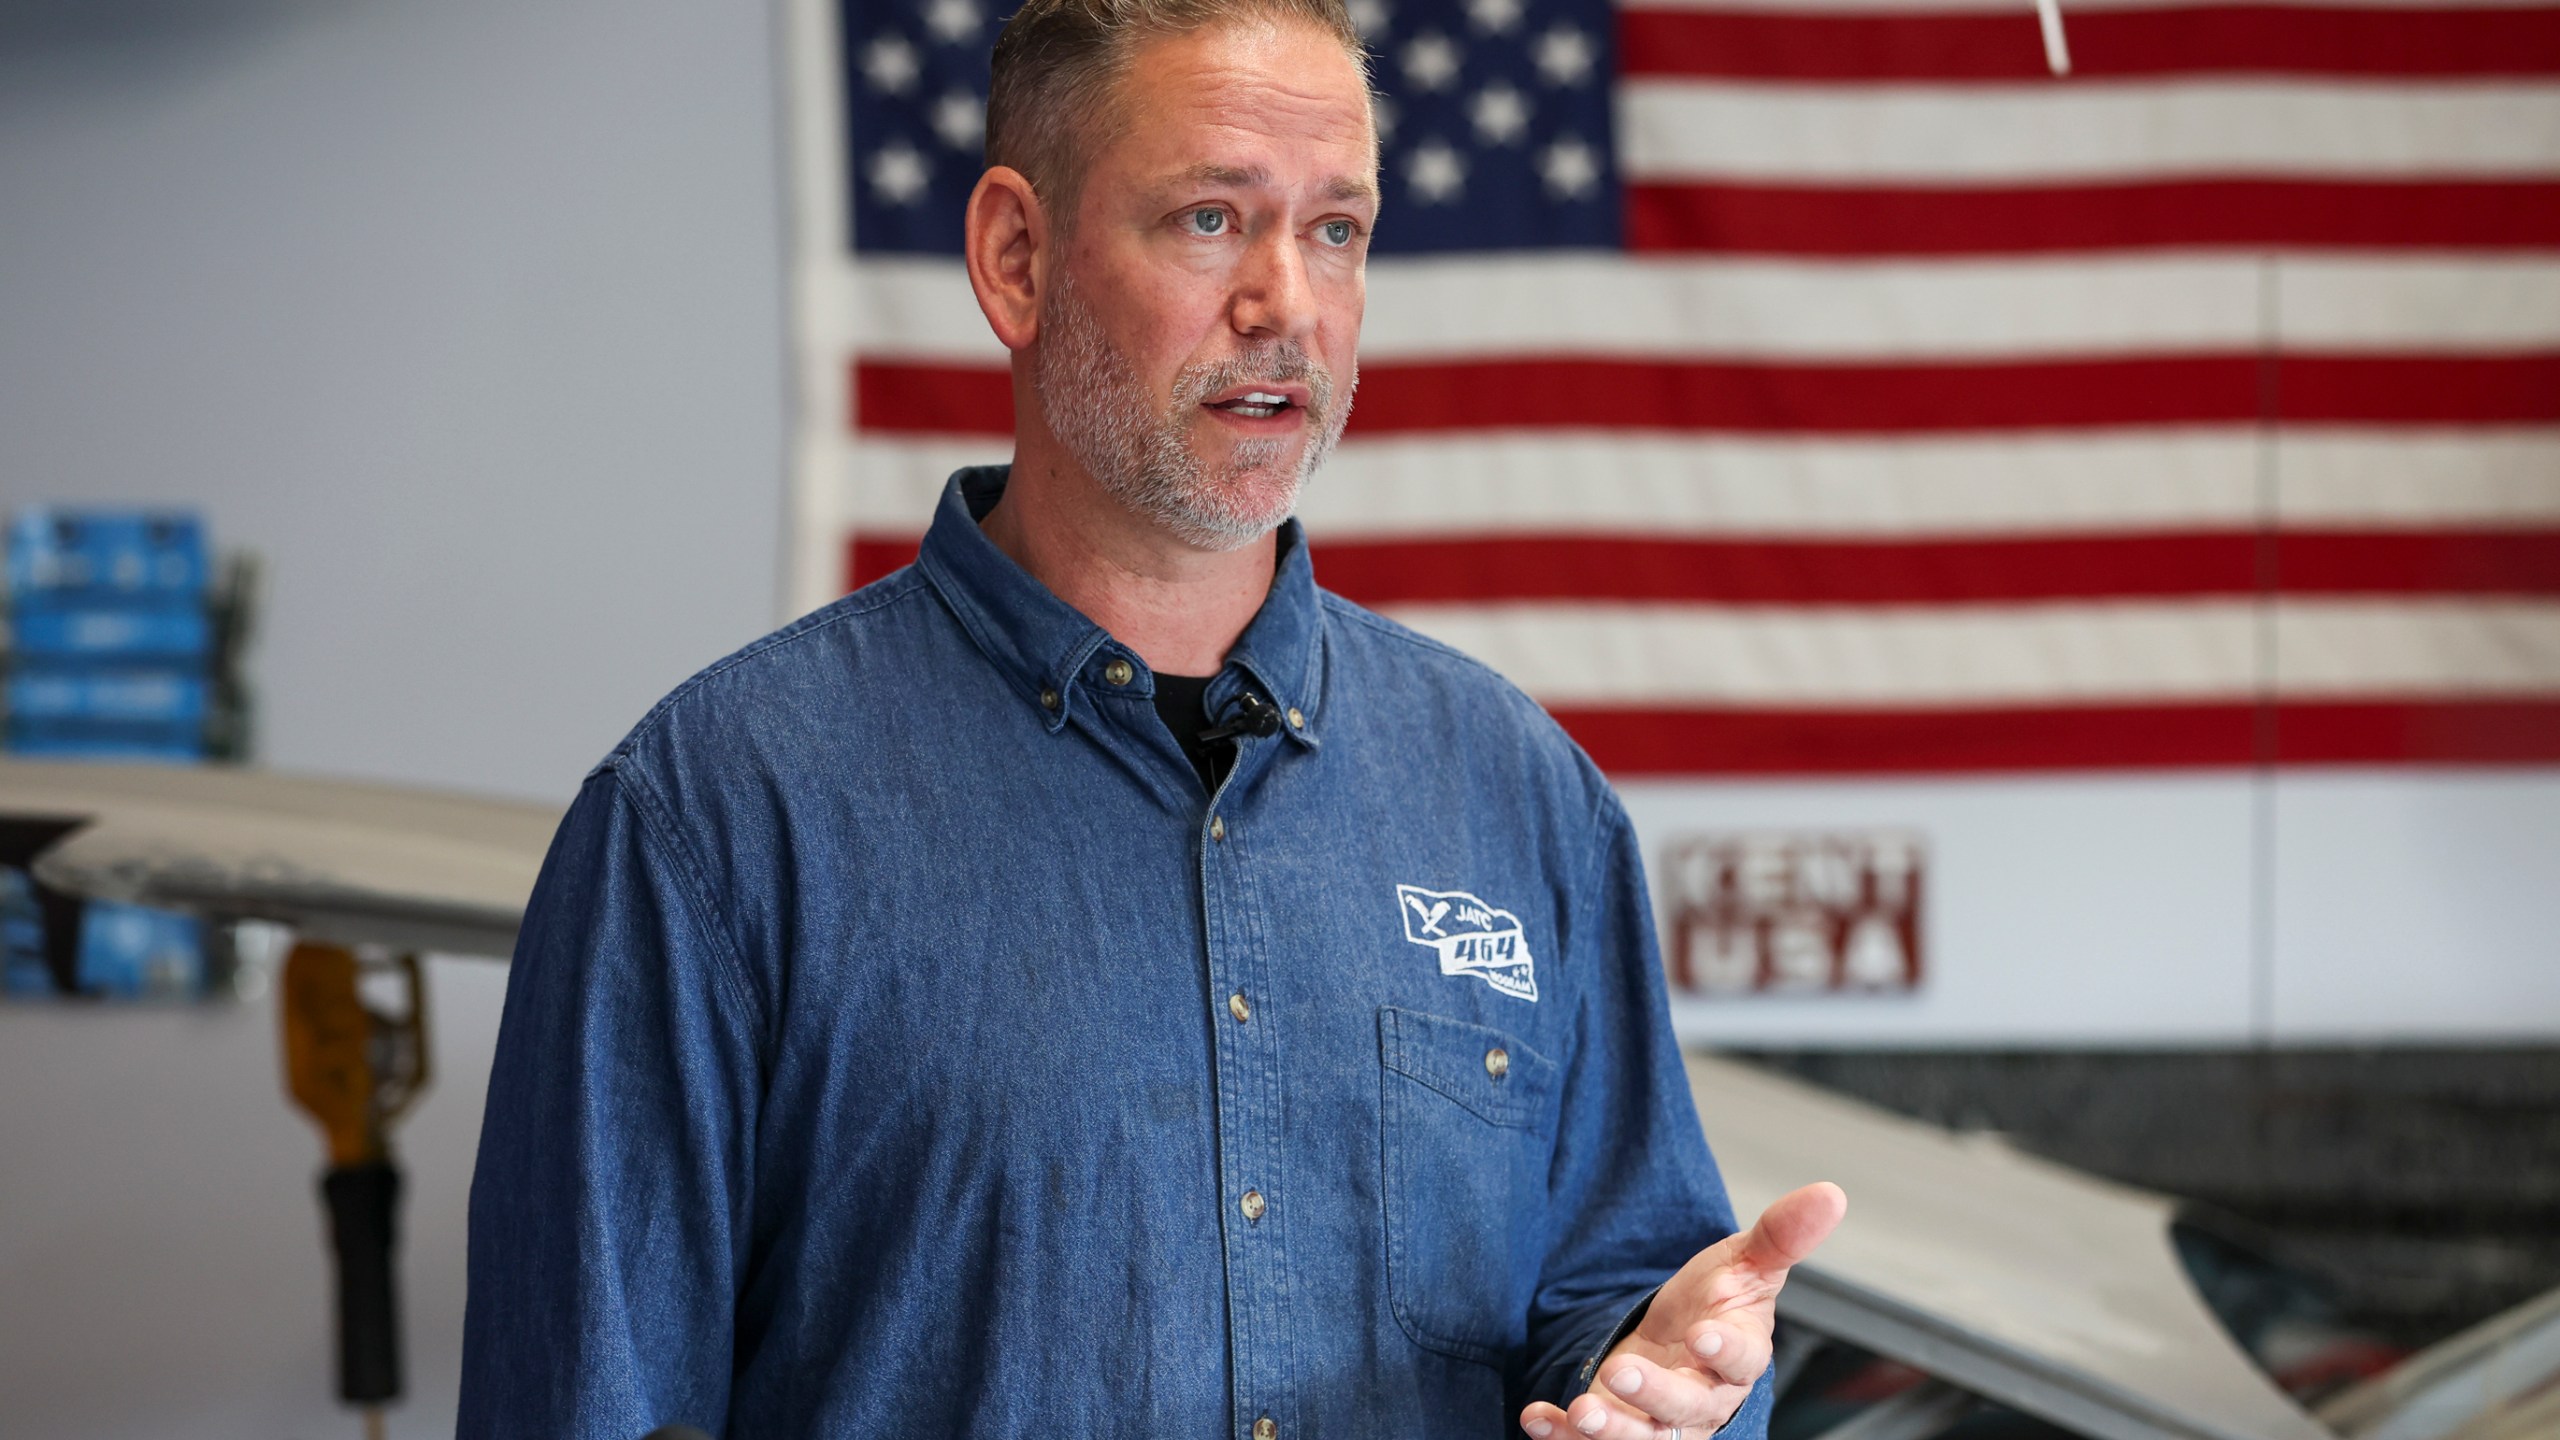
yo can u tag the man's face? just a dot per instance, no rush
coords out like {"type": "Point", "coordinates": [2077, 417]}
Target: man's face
{"type": "Point", "coordinates": [1197, 344]}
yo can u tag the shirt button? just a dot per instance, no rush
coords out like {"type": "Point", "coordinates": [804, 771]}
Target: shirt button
{"type": "Point", "coordinates": [1252, 1205]}
{"type": "Point", "coordinates": [1239, 1009]}
{"type": "Point", "coordinates": [1264, 1429]}
{"type": "Point", "coordinates": [1497, 1062]}
{"type": "Point", "coordinates": [1296, 720]}
{"type": "Point", "coordinates": [1217, 827]}
{"type": "Point", "coordinates": [1119, 672]}
{"type": "Point", "coordinates": [1048, 699]}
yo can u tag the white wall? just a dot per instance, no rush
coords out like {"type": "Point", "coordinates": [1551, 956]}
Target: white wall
{"type": "Point", "coordinates": [2326, 906]}
{"type": "Point", "coordinates": [466, 315]}
{"type": "Point", "coordinates": [161, 1261]}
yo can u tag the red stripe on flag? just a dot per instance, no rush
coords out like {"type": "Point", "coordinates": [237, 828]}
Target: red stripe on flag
{"type": "Point", "coordinates": [896, 397]}
{"type": "Point", "coordinates": [1854, 398]}
{"type": "Point", "coordinates": [1836, 742]}
{"type": "Point", "coordinates": [2219, 39]}
{"type": "Point", "coordinates": [1836, 397]}
{"type": "Point", "coordinates": [868, 557]}
{"type": "Point", "coordinates": [1924, 572]}
{"type": "Point", "coordinates": [2518, 562]}
{"type": "Point", "coordinates": [1830, 397]}
{"type": "Point", "coordinates": [2520, 213]}
{"type": "Point", "coordinates": [2437, 389]}
{"type": "Point", "coordinates": [2484, 732]}
{"type": "Point", "coordinates": [1498, 569]}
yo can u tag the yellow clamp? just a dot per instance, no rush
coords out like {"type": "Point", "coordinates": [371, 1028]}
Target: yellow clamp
{"type": "Point", "coordinates": [353, 1068]}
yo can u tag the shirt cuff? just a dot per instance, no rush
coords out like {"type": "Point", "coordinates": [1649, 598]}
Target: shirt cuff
{"type": "Point", "coordinates": [1625, 1327]}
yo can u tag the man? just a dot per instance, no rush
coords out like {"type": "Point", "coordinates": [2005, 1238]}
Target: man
{"type": "Point", "coordinates": [943, 1017]}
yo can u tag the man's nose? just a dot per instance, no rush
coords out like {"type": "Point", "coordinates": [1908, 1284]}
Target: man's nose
{"type": "Point", "coordinates": [1273, 297]}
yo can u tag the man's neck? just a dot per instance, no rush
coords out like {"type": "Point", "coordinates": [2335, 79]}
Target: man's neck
{"type": "Point", "coordinates": [1180, 607]}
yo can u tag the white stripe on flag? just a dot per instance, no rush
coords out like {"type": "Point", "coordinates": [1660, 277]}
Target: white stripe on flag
{"type": "Point", "coordinates": [918, 307]}
{"type": "Point", "coordinates": [1601, 305]}
{"type": "Point", "coordinates": [2150, 653]}
{"type": "Point", "coordinates": [2080, 133]}
{"type": "Point", "coordinates": [1601, 483]}
{"type": "Point", "coordinates": [2417, 304]}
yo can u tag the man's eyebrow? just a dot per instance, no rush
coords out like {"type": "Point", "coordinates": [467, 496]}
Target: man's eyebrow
{"type": "Point", "coordinates": [1350, 189]}
{"type": "Point", "coordinates": [1210, 172]}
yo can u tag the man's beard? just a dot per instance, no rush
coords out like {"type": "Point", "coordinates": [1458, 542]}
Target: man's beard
{"type": "Point", "coordinates": [1100, 410]}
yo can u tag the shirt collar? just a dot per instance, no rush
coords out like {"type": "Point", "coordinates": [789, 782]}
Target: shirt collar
{"type": "Point", "coordinates": [1053, 655]}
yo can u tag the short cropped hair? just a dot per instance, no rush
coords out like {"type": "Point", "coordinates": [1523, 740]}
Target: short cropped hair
{"type": "Point", "coordinates": [1058, 67]}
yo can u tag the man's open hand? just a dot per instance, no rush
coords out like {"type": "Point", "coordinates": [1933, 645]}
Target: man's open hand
{"type": "Point", "coordinates": [1705, 1340]}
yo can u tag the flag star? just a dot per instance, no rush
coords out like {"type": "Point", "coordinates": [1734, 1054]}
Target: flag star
{"type": "Point", "coordinates": [899, 172]}
{"type": "Point", "coordinates": [1494, 17]}
{"type": "Point", "coordinates": [1564, 56]}
{"type": "Point", "coordinates": [889, 63]}
{"type": "Point", "coordinates": [1571, 171]}
{"type": "Point", "coordinates": [1384, 112]}
{"type": "Point", "coordinates": [1431, 61]}
{"type": "Point", "coordinates": [953, 20]}
{"type": "Point", "coordinates": [960, 118]}
{"type": "Point", "coordinates": [1501, 114]}
{"type": "Point", "coordinates": [1437, 173]}
{"type": "Point", "coordinates": [1369, 17]}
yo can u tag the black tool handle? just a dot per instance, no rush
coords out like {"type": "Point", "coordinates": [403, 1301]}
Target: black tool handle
{"type": "Point", "coordinates": [364, 1205]}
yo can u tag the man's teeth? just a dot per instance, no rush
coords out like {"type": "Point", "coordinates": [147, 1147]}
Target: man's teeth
{"type": "Point", "coordinates": [1259, 404]}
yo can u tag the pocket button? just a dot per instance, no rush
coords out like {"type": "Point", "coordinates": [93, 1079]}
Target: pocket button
{"type": "Point", "coordinates": [1497, 1062]}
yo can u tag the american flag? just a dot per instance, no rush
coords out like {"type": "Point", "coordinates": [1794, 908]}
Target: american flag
{"type": "Point", "coordinates": [1824, 387]}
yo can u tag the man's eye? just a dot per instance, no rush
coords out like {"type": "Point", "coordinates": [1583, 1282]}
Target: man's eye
{"type": "Point", "coordinates": [1208, 221]}
{"type": "Point", "coordinates": [1336, 232]}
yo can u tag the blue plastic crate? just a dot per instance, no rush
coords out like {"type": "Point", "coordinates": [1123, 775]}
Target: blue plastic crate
{"type": "Point", "coordinates": [60, 555]}
{"type": "Point", "coordinates": [131, 953]}
{"type": "Point", "coordinates": [138, 744]}
{"type": "Point", "coordinates": [127, 952]}
{"type": "Point", "coordinates": [22, 968]}
{"type": "Point", "coordinates": [43, 696]}
{"type": "Point", "coordinates": [23, 978]}
{"type": "Point", "coordinates": [107, 714]}
{"type": "Point", "coordinates": [113, 635]}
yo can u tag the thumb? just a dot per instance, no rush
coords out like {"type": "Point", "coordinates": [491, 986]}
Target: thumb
{"type": "Point", "coordinates": [1793, 1226]}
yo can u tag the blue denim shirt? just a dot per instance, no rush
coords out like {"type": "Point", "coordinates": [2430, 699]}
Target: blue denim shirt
{"type": "Point", "coordinates": [902, 1040]}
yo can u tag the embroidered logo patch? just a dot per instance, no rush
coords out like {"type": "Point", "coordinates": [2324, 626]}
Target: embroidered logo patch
{"type": "Point", "coordinates": [1471, 937]}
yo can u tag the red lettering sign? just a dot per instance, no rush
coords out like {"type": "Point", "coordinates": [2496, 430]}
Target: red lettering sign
{"type": "Point", "coordinates": [1795, 913]}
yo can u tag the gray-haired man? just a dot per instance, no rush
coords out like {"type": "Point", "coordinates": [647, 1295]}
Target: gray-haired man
{"type": "Point", "coordinates": [1094, 982]}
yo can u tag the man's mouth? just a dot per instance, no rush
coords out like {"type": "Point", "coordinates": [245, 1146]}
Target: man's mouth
{"type": "Point", "coordinates": [1255, 404]}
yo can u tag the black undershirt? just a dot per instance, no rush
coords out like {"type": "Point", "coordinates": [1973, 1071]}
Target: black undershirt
{"type": "Point", "coordinates": [1182, 701]}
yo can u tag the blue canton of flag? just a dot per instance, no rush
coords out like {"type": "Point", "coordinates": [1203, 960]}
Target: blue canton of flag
{"type": "Point", "coordinates": [1495, 119]}
{"type": "Point", "coordinates": [1493, 114]}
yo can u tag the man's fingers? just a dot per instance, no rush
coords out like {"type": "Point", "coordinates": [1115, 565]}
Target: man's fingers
{"type": "Point", "coordinates": [1605, 1417]}
{"type": "Point", "coordinates": [1793, 1225]}
{"type": "Point", "coordinates": [1735, 1354]}
{"type": "Point", "coordinates": [1545, 1422]}
{"type": "Point", "coordinates": [1607, 1421]}
{"type": "Point", "coordinates": [1638, 1399]}
{"type": "Point", "coordinates": [1674, 1397]}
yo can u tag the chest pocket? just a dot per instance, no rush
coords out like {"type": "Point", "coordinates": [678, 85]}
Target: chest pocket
{"type": "Point", "coordinates": [1469, 1122]}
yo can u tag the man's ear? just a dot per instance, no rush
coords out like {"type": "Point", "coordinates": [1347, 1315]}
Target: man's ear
{"type": "Point", "coordinates": [1007, 246]}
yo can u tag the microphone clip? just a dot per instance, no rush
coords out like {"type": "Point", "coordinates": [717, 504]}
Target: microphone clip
{"type": "Point", "coordinates": [1250, 715]}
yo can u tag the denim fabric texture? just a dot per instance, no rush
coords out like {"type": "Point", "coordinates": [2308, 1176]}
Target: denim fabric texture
{"type": "Point", "coordinates": [903, 1041]}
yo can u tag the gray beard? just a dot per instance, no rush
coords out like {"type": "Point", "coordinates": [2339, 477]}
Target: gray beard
{"type": "Point", "coordinates": [1100, 411]}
